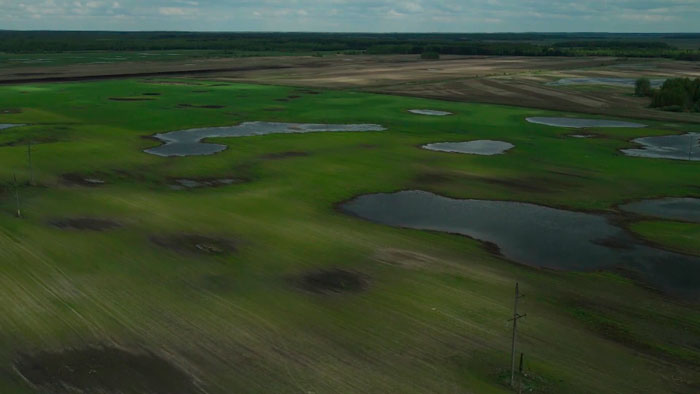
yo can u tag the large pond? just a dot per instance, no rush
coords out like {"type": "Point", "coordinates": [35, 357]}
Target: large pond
{"type": "Point", "coordinates": [535, 235]}
{"type": "Point", "coordinates": [626, 82]}
{"type": "Point", "coordinates": [429, 112]}
{"type": "Point", "coordinates": [686, 209]}
{"type": "Point", "coordinates": [580, 123]}
{"type": "Point", "coordinates": [189, 142]}
{"type": "Point", "coordinates": [479, 147]}
{"type": "Point", "coordinates": [4, 126]}
{"type": "Point", "coordinates": [679, 147]}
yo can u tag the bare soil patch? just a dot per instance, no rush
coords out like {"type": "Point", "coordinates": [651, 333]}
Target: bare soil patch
{"type": "Point", "coordinates": [195, 244]}
{"type": "Point", "coordinates": [284, 155]}
{"type": "Point", "coordinates": [130, 99]}
{"type": "Point", "coordinates": [151, 94]}
{"type": "Point", "coordinates": [83, 180]}
{"type": "Point", "coordinates": [206, 106]}
{"type": "Point", "coordinates": [92, 224]}
{"type": "Point", "coordinates": [105, 370]}
{"type": "Point", "coordinates": [7, 111]}
{"type": "Point", "coordinates": [189, 183]}
{"type": "Point", "coordinates": [333, 281]}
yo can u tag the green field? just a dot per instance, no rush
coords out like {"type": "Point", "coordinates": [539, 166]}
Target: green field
{"type": "Point", "coordinates": [434, 317]}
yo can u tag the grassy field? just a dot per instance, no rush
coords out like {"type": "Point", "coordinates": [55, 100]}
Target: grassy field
{"type": "Point", "coordinates": [434, 314]}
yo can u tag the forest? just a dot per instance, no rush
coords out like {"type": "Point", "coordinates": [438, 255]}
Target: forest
{"type": "Point", "coordinates": [505, 44]}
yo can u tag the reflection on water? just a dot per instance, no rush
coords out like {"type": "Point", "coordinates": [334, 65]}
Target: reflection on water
{"type": "Point", "coordinates": [535, 235]}
{"type": "Point", "coordinates": [579, 123]}
{"type": "Point", "coordinates": [686, 209]}
{"type": "Point", "coordinates": [188, 142]}
{"type": "Point", "coordinates": [479, 147]}
{"type": "Point", "coordinates": [679, 147]}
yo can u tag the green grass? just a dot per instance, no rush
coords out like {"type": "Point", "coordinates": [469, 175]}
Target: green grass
{"type": "Point", "coordinates": [239, 324]}
{"type": "Point", "coordinates": [683, 237]}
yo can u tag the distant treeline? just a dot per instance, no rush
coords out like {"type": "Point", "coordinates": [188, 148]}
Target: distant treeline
{"type": "Point", "coordinates": [502, 44]}
{"type": "Point", "coordinates": [677, 94]}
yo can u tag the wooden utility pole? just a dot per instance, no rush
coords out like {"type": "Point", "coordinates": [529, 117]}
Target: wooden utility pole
{"type": "Point", "coordinates": [515, 319]}
{"type": "Point", "coordinates": [19, 209]}
{"type": "Point", "coordinates": [29, 161]}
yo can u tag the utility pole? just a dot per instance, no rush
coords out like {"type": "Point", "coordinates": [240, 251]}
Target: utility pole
{"type": "Point", "coordinates": [29, 160]}
{"type": "Point", "coordinates": [515, 319]}
{"type": "Point", "coordinates": [19, 209]}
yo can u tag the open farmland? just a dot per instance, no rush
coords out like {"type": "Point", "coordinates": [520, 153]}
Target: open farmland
{"type": "Point", "coordinates": [242, 272]}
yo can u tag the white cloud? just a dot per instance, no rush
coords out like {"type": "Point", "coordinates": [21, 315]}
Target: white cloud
{"type": "Point", "coordinates": [354, 15]}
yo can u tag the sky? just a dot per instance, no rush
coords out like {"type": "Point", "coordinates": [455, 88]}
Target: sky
{"type": "Point", "coordinates": [355, 15]}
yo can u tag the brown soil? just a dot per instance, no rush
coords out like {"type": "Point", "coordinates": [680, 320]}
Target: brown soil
{"type": "Point", "coordinates": [104, 370]}
{"type": "Point", "coordinates": [197, 244]}
{"type": "Point", "coordinates": [519, 81]}
{"type": "Point", "coordinates": [284, 155]}
{"type": "Point", "coordinates": [92, 224]}
{"type": "Point", "coordinates": [333, 281]}
{"type": "Point", "coordinates": [151, 94]}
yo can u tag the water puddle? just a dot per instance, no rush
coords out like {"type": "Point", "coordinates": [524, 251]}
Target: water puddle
{"type": "Point", "coordinates": [4, 126]}
{"type": "Point", "coordinates": [429, 112]}
{"type": "Point", "coordinates": [625, 82]}
{"type": "Point", "coordinates": [685, 209]}
{"type": "Point", "coordinates": [479, 147]}
{"type": "Point", "coordinates": [189, 142]}
{"type": "Point", "coordinates": [580, 123]}
{"type": "Point", "coordinates": [534, 235]}
{"type": "Point", "coordinates": [582, 136]}
{"type": "Point", "coordinates": [679, 147]}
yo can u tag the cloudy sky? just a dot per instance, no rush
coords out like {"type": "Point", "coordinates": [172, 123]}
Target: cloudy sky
{"type": "Point", "coordinates": [355, 15]}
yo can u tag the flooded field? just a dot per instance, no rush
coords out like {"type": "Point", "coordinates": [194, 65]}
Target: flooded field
{"type": "Point", "coordinates": [685, 209]}
{"type": "Point", "coordinates": [479, 147]}
{"type": "Point", "coordinates": [626, 82]}
{"type": "Point", "coordinates": [534, 235]}
{"type": "Point", "coordinates": [189, 142]}
{"type": "Point", "coordinates": [580, 123]}
{"type": "Point", "coordinates": [429, 112]}
{"type": "Point", "coordinates": [678, 147]}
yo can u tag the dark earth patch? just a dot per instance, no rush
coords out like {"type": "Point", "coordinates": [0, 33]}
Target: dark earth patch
{"type": "Point", "coordinates": [92, 224]}
{"type": "Point", "coordinates": [32, 140]}
{"type": "Point", "coordinates": [193, 243]}
{"type": "Point", "coordinates": [282, 99]}
{"type": "Point", "coordinates": [130, 99]}
{"type": "Point", "coordinates": [7, 111]}
{"type": "Point", "coordinates": [531, 185]}
{"type": "Point", "coordinates": [284, 155]}
{"type": "Point", "coordinates": [83, 180]}
{"type": "Point", "coordinates": [201, 91]}
{"type": "Point", "coordinates": [183, 183]}
{"type": "Point", "coordinates": [207, 106]}
{"type": "Point", "coordinates": [333, 281]}
{"type": "Point", "coordinates": [104, 370]}
{"type": "Point", "coordinates": [293, 97]}
{"type": "Point", "coordinates": [151, 94]}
